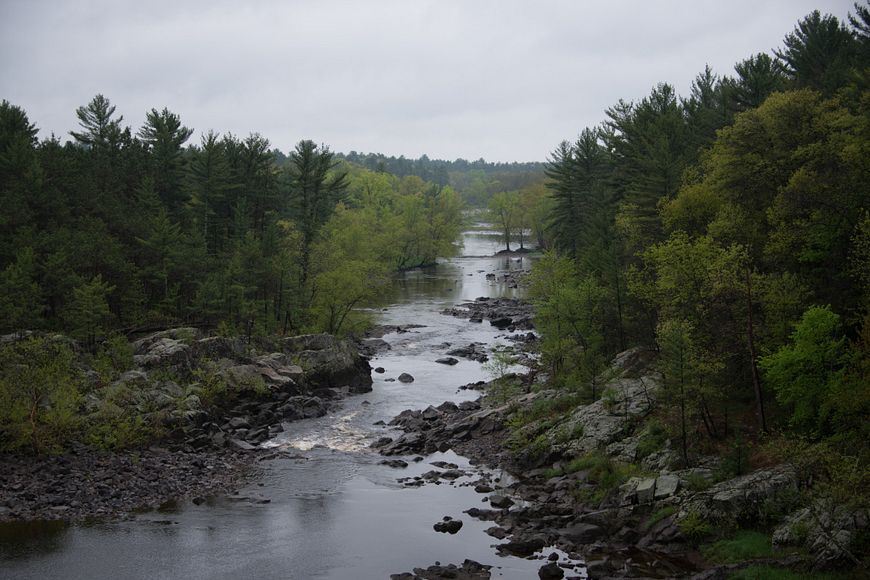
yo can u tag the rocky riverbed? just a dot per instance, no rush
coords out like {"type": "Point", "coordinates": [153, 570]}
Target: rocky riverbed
{"type": "Point", "coordinates": [87, 484]}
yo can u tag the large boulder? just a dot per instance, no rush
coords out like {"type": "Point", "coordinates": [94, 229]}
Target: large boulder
{"type": "Point", "coordinates": [329, 362]}
{"type": "Point", "coordinates": [162, 352]}
{"type": "Point", "coordinates": [744, 499]}
{"type": "Point", "coordinates": [824, 530]}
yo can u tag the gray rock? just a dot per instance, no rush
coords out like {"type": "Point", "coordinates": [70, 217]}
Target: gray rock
{"type": "Point", "coordinates": [582, 533]}
{"type": "Point", "coordinates": [406, 378]}
{"type": "Point", "coordinates": [500, 501]}
{"type": "Point", "coordinates": [241, 445]}
{"type": "Point", "coordinates": [824, 530]}
{"type": "Point", "coordinates": [666, 486]}
{"type": "Point", "coordinates": [551, 571]}
{"type": "Point", "coordinates": [239, 423]}
{"type": "Point", "coordinates": [447, 360]}
{"type": "Point", "coordinates": [743, 498]}
{"type": "Point", "coordinates": [329, 362]}
{"type": "Point", "coordinates": [645, 490]}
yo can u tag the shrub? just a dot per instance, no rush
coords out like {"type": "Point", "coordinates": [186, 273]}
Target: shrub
{"type": "Point", "coordinates": [114, 357]}
{"type": "Point", "coordinates": [695, 527]}
{"type": "Point", "coordinates": [652, 439]}
{"type": "Point", "coordinates": [39, 395]}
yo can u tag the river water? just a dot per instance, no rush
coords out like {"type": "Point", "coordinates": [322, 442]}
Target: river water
{"type": "Point", "coordinates": [333, 511]}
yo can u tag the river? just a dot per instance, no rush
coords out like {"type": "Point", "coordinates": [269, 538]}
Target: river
{"type": "Point", "coordinates": [327, 508]}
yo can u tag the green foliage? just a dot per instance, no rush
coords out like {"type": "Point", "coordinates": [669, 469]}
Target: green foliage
{"type": "Point", "coordinates": [212, 386]}
{"type": "Point", "coordinates": [605, 474]}
{"type": "Point", "coordinates": [744, 545]}
{"type": "Point", "coordinates": [20, 305]}
{"type": "Point", "coordinates": [569, 316]}
{"type": "Point", "coordinates": [807, 373]}
{"type": "Point", "coordinates": [696, 482]}
{"type": "Point", "coordinates": [39, 395]}
{"type": "Point", "coordinates": [89, 315]}
{"type": "Point", "coordinates": [695, 527]}
{"type": "Point", "coordinates": [114, 357]}
{"type": "Point", "coordinates": [504, 208]}
{"type": "Point", "coordinates": [652, 439]}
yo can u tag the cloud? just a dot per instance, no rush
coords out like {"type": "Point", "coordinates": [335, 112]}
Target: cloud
{"type": "Point", "coordinates": [504, 80]}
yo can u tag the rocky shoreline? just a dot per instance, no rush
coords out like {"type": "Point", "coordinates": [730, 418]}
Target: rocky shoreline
{"type": "Point", "coordinates": [644, 526]}
{"type": "Point", "coordinates": [208, 401]}
{"type": "Point", "coordinates": [87, 484]}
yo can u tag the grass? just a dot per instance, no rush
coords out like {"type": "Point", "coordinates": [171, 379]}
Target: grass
{"type": "Point", "coordinates": [744, 545]}
{"type": "Point", "coordinates": [606, 475]}
{"type": "Point", "coordinates": [772, 573]}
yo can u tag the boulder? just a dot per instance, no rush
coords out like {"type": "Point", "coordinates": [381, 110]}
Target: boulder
{"type": "Point", "coordinates": [825, 530]}
{"type": "Point", "coordinates": [447, 360]}
{"type": "Point", "coordinates": [329, 362]}
{"type": "Point", "coordinates": [406, 378]}
{"type": "Point", "coordinates": [743, 499]}
{"type": "Point", "coordinates": [645, 490]}
{"type": "Point", "coordinates": [551, 571]}
{"type": "Point", "coordinates": [666, 486]}
{"type": "Point", "coordinates": [500, 501]}
{"type": "Point", "coordinates": [522, 548]}
{"type": "Point", "coordinates": [582, 533]}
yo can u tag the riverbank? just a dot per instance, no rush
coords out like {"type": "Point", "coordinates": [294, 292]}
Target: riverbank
{"type": "Point", "coordinates": [184, 423]}
{"type": "Point", "coordinates": [592, 481]}
{"type": "Point", "coordinates": [88, 484]}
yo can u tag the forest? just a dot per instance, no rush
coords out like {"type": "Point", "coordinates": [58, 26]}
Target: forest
{"type": "Point", "coordinates": [116, 231]}
{"type": "Point", "coordinates": [730, 231]}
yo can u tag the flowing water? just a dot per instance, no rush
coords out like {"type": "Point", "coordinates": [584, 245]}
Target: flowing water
{"type": "Point", "coordinates": [333, 512]}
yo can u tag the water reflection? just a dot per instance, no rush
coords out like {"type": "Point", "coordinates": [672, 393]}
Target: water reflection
{"type": "Point", "coordinates": [19, 540]}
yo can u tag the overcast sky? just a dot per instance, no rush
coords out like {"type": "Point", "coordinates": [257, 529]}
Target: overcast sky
{"type": "Point", "coordinates": [503, 80]}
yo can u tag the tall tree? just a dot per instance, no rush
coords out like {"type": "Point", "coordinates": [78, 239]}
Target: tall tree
{"type": "Point", "coordinates": [757, 77]}
{"type": "Point", "coordinates": [164, 135]}
{"type": "Point", "coordinates": [315, 190]}
{"type": "Point", "coordinates": [819, 53]}
{"type": "Point", "coordinates": [99, 129]}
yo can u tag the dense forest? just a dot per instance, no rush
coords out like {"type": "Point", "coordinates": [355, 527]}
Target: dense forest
{"type": "Point", "coordinates": [730, 230]}
{"type": "Point", "coordinates": [118, 231]}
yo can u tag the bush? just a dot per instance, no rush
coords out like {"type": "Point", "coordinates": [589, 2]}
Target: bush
{"type": "Point", "coordinates": [695, 527]}
{"type": "Point", "coordinates": [114, 357]}
{"type": "Point", "coordinates": [652, 439]}
{"type": "Point", "coordinates": [39, 395]}
{"type": "Point", "coordinates": [607, 475]}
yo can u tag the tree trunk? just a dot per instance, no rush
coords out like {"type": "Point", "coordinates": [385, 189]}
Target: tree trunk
{"type": "Point", "coordinates": [756, 381]}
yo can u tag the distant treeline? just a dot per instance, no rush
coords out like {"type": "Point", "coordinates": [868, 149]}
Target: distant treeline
{"type": "Point", "coordinates": [477, 181]}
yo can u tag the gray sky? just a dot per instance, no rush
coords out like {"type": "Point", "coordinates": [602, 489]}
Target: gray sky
{"type": "Point", "coordinates": [503, 80]}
